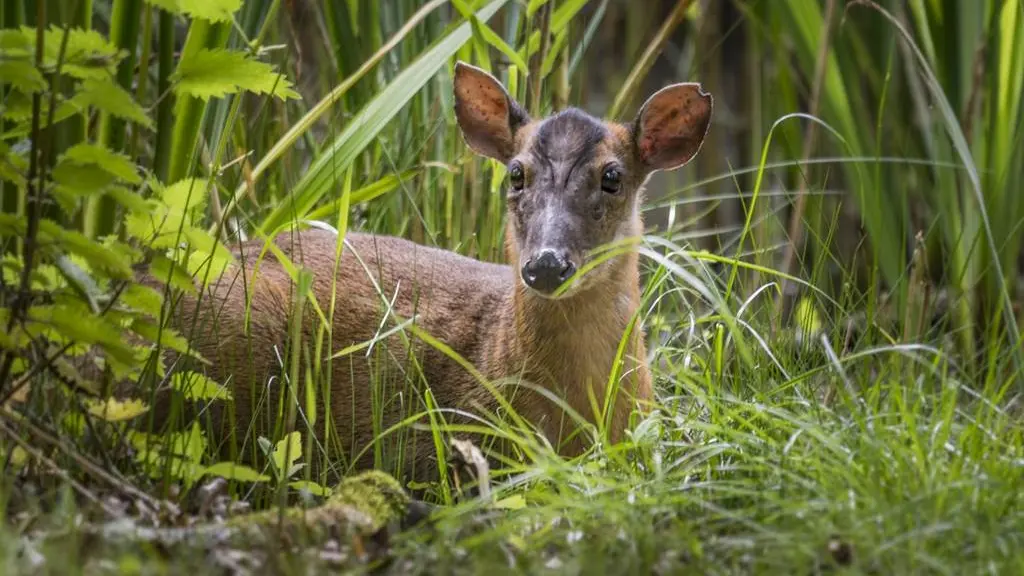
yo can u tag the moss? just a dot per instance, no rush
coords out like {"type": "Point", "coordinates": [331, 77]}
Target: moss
{"type": "Point", "coordinates": [376, 494]}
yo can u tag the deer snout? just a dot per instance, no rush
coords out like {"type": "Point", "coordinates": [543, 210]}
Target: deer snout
{"type": "Point", "coordinates": [547, 270]}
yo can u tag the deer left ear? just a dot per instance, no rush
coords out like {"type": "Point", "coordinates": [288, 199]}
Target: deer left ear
{"type": "Point", "coordinates": [670, 127]}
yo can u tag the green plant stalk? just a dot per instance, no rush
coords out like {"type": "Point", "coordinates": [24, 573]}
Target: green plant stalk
{"type": "Point", "coordinates": [12, 199]}
{"type": "Point", "coordinates": [643, 65]}
{"type": "Point", "coordinates": [143, 83]}
{"type": "Point", "coordinates": [187, 139]}
{"type": "Point", "coordinates": [165, 105]}
{"type": "Point", "coordinates": [77, 125]}
{"type": "Point", "coordinates": [101, 210]}
{"type": "Point", "coordinates": [303, 125]}
{"type": "Point", "coordinates": [359, 133]}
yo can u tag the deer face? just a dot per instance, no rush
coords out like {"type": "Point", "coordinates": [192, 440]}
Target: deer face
{"type": "Point", "coordinates": [575, 182]}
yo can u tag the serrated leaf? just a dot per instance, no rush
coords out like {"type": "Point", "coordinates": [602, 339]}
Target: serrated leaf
{"type": "Point", "coordinates": [88, 54]}
{"type": "Point", "coordinates": [158, 227]}
{"type": "Point", "coordinates": [22, 75]}
{"type": "Point", "coordinates": [209, 74]}
{"type": "Point", "coordinates": [168, 337]}
{"type": "Point", "coordinates": [69, 372]}
{"type": "Point", "coordinates": [127, 198]}
{"type": "Point", "coordinates": [195, 386]}
{"type": "Point", "coordinates": [90, 168]}
{"type": "Point", "coordinates": [143, 299]}
{"type": "Point", "coordinates": [213, 10]}
{"type": "Point", "coordinates": [286, 452]}
{"type": "Point", "coordinates": [185, 196]}
{"type": "Point", "coordinates": [164, 269]}
{"type": "Point", "coordinates": [232, 471]}
{"type": "Point", "coordinates": [75, 323]}
{"type": "Point", "coordinates": [14, 43]}
{"type": "Point", "coordinates": [114, 410]}
{"type": "Point", "coordinates": [13, 166]}
{"type": "Point", "coordinates": [19, 110]}
{"type": "Point", "coordinates": [118, 165]}
{"type": "Point", "coordinates": [108, 259]}
{"type": "Point", "coordinates": [106, 96]}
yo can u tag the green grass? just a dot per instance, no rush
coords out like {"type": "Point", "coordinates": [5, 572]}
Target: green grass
{"type": "Point", "coordinates": [854, 411]}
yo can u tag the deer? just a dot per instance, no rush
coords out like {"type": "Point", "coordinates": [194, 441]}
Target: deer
{"type": "Point", "coordinates": [574, 183]}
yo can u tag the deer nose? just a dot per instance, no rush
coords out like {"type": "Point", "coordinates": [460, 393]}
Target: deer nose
{"type": "Point", "coordinates": [547, 271]}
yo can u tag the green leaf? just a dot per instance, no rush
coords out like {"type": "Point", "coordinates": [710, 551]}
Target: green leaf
{"type": "Point", "coordinates": [22, 75]}
{"type": "Point", "coordinates": [287, 452]}
{"type": "Point", "coordinates": [117, 164]}
{"type": "Point", "coordinates": [186, 196]}
{"type": "Point", "coordinates": [80, 281]}
{"type": "Point", "coordinates": [74, 322]}
{"type": "Point", "coordinates": [128, 198]}
{"type": "Point", "coordinates": [213, 10]}
{"type": "Point", "coordinates": [91, 168]}
{"type": "Point", "coordinates": [87, 55]}
{"type": "Point", "coordinates": [232, 471]}
{"type": "Point", "coordinates": [168, 338]}
{"type": "Point", "coordinates": [113, 259]}
{"type": "Point", "coordinates": [163, 269]}
{"type": "Point", "coordinates": [311, 487]}
{"type": "Point", "coordinates": [114, 410]}
{"type": "Point", "coordinates": [143, 299]}
{"type": "Point", "coordinates": [13, 166]}
{"type": "Point", "coordinates": [513, 502]}
{"type": "Point", "coordinates": [15, 43]}
{"type": "Point", "coordinates": [195, 386]}
{"type": "Point", "coordinates": [106, 96]}
{"type": "Point", "coordinates": [157, 227]}
{"type": "Point", "coordinates": [19, 110]}
{"type": "Point", "coordinates": [209, 74]}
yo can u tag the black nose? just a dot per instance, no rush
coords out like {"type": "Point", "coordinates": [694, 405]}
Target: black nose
{"type": "Point", "coordinates": [547, 270]}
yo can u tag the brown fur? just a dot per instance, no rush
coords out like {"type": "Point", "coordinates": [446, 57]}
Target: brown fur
{"type": "Point", "coordinates": [482, 311]}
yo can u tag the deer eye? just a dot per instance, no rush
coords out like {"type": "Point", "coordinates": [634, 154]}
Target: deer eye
{"type": "Point", "coordinates": [516, 176]}
{"type": "Point", "coordinates": [611, 180]}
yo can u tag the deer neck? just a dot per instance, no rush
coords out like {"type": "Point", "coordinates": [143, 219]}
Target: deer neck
{"type": "Point", "coordinates": [569, 347]}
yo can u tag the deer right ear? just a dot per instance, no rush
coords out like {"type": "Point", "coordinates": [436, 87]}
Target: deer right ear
{"type": "Point", "coordinates": [487, 115]}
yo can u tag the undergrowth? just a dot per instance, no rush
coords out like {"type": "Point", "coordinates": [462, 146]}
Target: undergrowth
{"type": "Point", "coordinates": [830, 396]}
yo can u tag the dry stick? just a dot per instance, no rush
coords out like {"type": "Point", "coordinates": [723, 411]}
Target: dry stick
{"type": "Point", "coordinates": [796, 219]}
{"type": "Point", "coordinates": [20, 307]}
{"type": "Point", "coordinates": [675, 18]}
{"type": "Point", "coordinates": [35, 453]}
{"type": "Point", "coordinates": [89, 466]}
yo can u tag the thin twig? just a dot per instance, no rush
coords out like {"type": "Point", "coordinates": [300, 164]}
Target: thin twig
{"type": "Point", "coordinates": [87, 465]}
{"type": "Point", "coordinates": [64, 475]}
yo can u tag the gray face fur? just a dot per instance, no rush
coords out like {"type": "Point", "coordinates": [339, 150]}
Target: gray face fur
{"type": "Point", "coordinates": [575, 181]}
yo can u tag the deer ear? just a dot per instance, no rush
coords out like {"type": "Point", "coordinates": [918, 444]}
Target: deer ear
{"type": "Point", "coordinates": [671, 125]}
{"type": "Point", "coordinates": [487, 115]}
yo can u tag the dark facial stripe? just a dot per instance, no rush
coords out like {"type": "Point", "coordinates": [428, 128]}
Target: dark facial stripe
{"type": "Point", "coordinates": [569, 135]}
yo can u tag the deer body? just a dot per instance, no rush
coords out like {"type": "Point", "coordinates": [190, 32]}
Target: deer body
{"type": "Point", "coordinates": [575, 184]}
{"type": "Point", "coordinates": [476, 308]}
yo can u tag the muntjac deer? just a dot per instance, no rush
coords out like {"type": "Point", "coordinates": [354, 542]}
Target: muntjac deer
{"type": "Point", "coordinates": [574, 184]}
